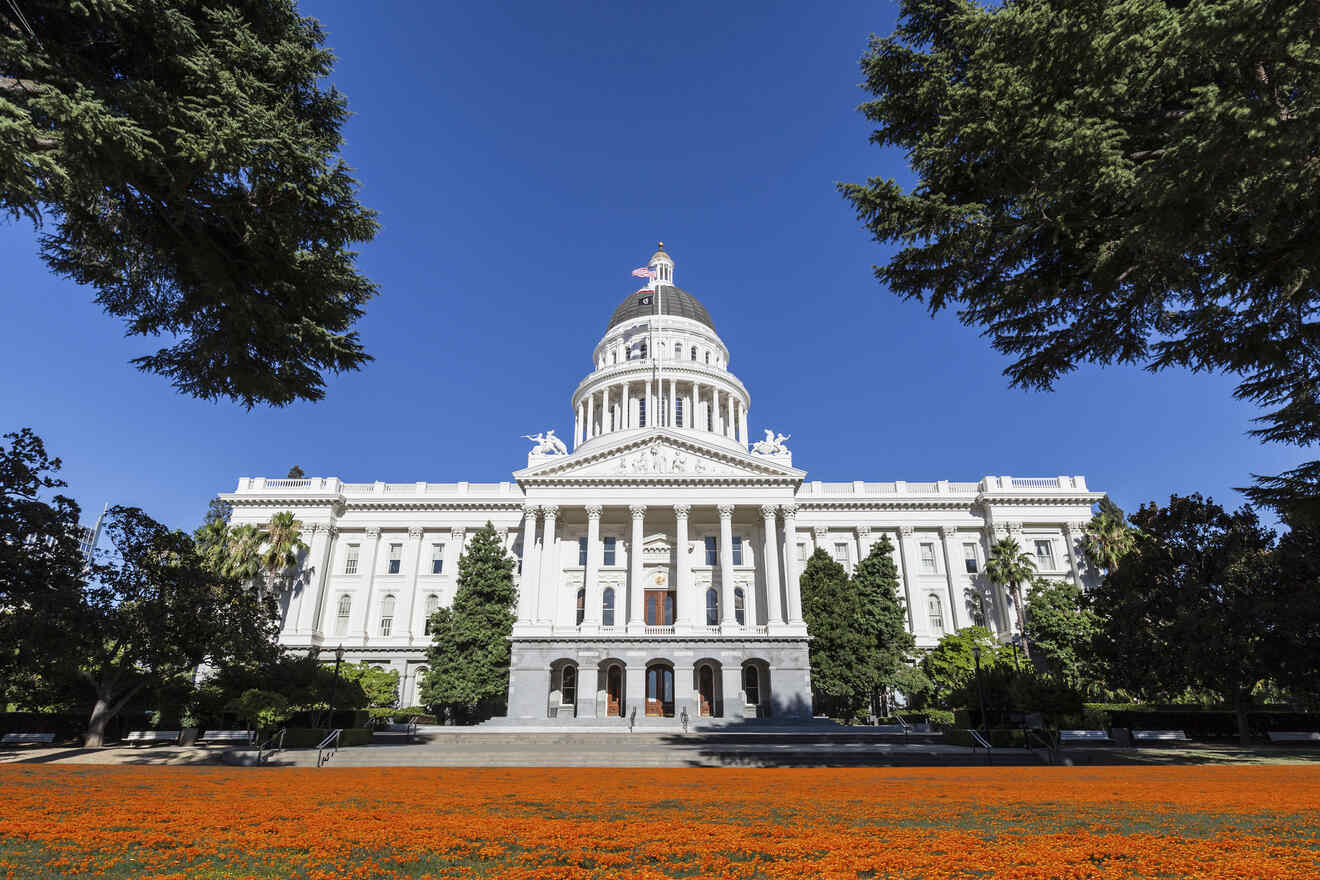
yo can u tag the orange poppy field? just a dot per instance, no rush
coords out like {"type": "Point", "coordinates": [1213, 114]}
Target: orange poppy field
{"type": "Point", "coordinates": [1036, 822]}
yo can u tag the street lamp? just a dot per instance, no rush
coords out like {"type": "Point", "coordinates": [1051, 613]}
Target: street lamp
{"type": "Point", "coordinates": [1016, 640]}
{"type": "Point", "coordinates": [980, 692]}
{"type": "Point", "coordinates": [339, 658]}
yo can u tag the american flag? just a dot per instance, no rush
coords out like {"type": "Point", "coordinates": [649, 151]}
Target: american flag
{"type": "Point", "coordinates": [644, 272]}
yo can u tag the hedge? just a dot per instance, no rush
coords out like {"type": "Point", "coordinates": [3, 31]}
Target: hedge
{"type": "Point", "coordinates": [311, 737]}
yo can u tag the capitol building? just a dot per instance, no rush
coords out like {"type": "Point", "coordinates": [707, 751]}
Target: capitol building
{"type": "Point", "coordinates": [658, 558]}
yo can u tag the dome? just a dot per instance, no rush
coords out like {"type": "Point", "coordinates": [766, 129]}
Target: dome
{"type": "Point", "coordinates": [673, 301]}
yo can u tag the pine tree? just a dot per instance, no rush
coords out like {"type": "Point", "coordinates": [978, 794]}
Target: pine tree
{"type": "Point", "coordinates": [469, 657]}
{"type": "Point", "coordinates": [840, 655]}
{"type": "Point", "coordinates": [882, 619]}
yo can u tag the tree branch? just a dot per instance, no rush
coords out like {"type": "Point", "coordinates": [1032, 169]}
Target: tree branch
{"type": "Point", "coordinates": [13, 86]}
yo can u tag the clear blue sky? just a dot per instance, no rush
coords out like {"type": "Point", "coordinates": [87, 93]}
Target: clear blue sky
{"type": "Point", "coordinates": [524, 157]}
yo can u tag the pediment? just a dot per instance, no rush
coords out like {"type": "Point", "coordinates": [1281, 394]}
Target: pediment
{"type": "Point", "coordinates": [660, 455]}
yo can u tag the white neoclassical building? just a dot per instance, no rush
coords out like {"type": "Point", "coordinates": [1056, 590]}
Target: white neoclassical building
{"type": "Point", "coordinates": [659, 558]}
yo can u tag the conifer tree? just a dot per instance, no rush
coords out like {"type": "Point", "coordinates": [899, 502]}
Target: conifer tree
{"type": "Point", "coordinates": [840, 665]}
{"type": "Point", "coordinates": [882, 619]}
{"type": "Point", "coordinates": [469, 657]}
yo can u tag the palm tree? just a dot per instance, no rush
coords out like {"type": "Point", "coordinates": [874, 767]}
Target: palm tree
{"type": "Point", "coordinates": [1009, 565]}
{"type": "Point", "coordinates": [283, 543]}
{"type": "Point", "coordinates": [243, 553]}
{"type": "Point", "coordinates": [1108, 538]}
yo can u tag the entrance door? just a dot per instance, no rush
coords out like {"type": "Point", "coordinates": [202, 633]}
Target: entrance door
{"type": "Point", "coordinates": [660, 691]}
{"type": "Point", "coordinates": [614, 692]}
{"type": "Point", "coordinates": [706, 689]}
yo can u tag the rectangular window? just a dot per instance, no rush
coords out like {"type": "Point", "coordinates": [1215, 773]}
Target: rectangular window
{"type": "Point", "coordinates": [386, 625]}
{"type": "Point", "coordinates": [802, 553]}
{"type": "Point", "coordinates": [611, 550]}
{"type": "Point", "coordinates": [712, 551]}
{"type": "Point", "coordinates": [396, 558]}
{"type": "Point", "coordinates": [841, 554]}
{"type": "Point", "coordinates": [437, 559]}
{"type": "Point", "coordinates": [1045, 555]}
{"type": "Point", "coordinates": [970, 558]}
{"type": "Point", "coordinates": [664, 409]}
{"type": "Point", "coordinates": [928, 565]}
{"type": "Point", "coordinates": [351, 559]}
{"type": "Point", "coordinates": [737, 550]}
{"type": "Point", "coordinates": [659, 608]}
{"type": "Point", "coordinates": [582, 551]}
{"type": "Point", "coordinates": [678, 411]}
{"type": "Point", "coordinates": [641, 412]}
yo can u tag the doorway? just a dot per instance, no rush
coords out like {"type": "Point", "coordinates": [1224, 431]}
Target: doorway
{"type": "Point", "coordinates": [614, 691]}
{"type": "Point", "coordinates": [706, 690]}
{"type": "Point", "coordinates": [660, 691]}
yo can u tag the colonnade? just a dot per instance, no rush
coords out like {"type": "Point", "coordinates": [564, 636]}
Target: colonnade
{"type": "Point", "coordinates": [660, 402]}
{"type": "Point", "coordinates": [540, 590]}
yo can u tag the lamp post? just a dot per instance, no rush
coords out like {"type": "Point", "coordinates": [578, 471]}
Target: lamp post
{"type": "Point", "coordinates": [980, 693]}
{"type": "Point", "coordinates": [1016, 640]}
{"type": "Point", "coordinates": [339, 658]}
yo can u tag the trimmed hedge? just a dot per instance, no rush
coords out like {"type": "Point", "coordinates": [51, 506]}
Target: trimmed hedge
{"type": "Point", "coordinates": [310, 737]}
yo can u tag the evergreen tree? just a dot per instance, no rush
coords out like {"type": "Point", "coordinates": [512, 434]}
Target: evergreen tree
{"type": "Point", "coordinates": [469, 656]}
{"type": "Point", "coordinates": [841, 677]}
{"type": "Point", "coordinates": [951, 664]}
{"type": "Point", "coordinates": [1062, 627]}
{"type": "Point", "coordinates": [182, 159]}
{"type": "Point", "coordinates": [883, 622]}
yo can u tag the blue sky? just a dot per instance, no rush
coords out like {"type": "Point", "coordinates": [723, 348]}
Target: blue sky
{"type": "Point", "coordinates": [524, 157]}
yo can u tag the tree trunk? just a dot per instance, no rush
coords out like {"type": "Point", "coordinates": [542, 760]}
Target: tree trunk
{"type": "Point", "coordinates": [1241, 701]}
{"type": "Point", "coordinates": [1021, 618]}
{"type": "Point", "coordinates": [101, 715]}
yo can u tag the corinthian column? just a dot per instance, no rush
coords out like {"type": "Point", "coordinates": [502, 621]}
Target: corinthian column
{"type": "Point", "coordinates": [726, 566]}
{"type": "Point", "coordinates": [591, 578]}
{"type": "Point", "coordinates": [636, 595]}
{"type": "Point", "coordinates": [684, 614]}
{"type": "Point", "coordinates": [770, 565]}
{"type": "Point", "coordinates": [551, 567]}
{"type": "Point", "coordinates": [529, 581]}
{"type": "Point", "coordinates": [792, 588]}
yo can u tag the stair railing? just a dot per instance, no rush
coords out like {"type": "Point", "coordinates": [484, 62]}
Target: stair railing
{"type": "Point", "coordinates": [981, 741]}
{"type": "Point", "coordinates": [1050, 756]}
{"type": "Point", "coordinates": [271, 746]}
{"type": "Point", "coordinates": [328, 746]}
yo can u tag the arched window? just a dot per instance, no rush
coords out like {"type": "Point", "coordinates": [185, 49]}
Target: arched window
{"type": "Point", "coordinates": [707, 358]}
{"type": "Point", "coordinates": [752, 685]}
{"type": "Point", "coordinates": [386, 615]}
{"type": "Point", "coordinates": [341, 614]}
{"type": "Point", "coordinates": [641, 349]}
{"type": "Point", "coordinates": [581, 606]}
{"type": "Point", "coordinates": [678, 351]}
{"type": "Point", "coordinates": [712, 607]}
{"type": "Point", "coordinates": [976, 607]}
{"type": "Point", "coordinates": [568, 688]}
{"type": "Point", "coordinates": [607, 607]}
{"type": "Point", "coordinates": [740, 606]}
{"type": "Point", "coordinates": [430, 608]}
{"type": "Point", "coordinates": [614, 357]}
{"type": "Point", "coordinates": [936, 612]}
{"type": "Point", "coordinates": [694, 352]}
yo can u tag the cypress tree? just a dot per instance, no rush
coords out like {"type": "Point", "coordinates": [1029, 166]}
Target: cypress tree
{"type": "Point", "coordinates": [882, 620]}
{"type": "Point", "coordinates": [839, 665]}
{"type": "Point", "coordinates": [469, 657]}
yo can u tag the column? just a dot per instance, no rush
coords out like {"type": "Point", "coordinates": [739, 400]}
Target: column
{"type": "Point", "coordinates": [577, 425]}
{"type": "Point", "coordinates": [726, 566]}
{"type": "Point", "coordinates": [792, 585]}
{"type": "Point", "coordinates": [734, 700]}
{"type": "Point", "coordinates": [863, 543]}
{"type": "Point", "coordinates": [314, 581]}
{"type": "Point", "coordinates": [1072, 534]}
{"type": "Point", "coordinates": [770, 564]}
{"type": "Point", "coordinates": [685, 694]}
{"type": "Point", "coordinates": [636, 596]}
{"type": "Point", "coordinates": [742, 423]}
{"type": "Point", "coordinates": [372, 547]}
{"type": "Point", "coordinates": [686, 613]}
{"type": "Point", "coordinates": [905, 562]}
{"type": "Point", "coordinates": [627, 412]}
{"type": "Point", "coordinates": [551, 567]}
{"type": "Point", "coordinates": [529, 581]}
{"type": "Point", "coordinates": [949, 538]}
{"type": "Point", "coordinates": [673, 405]}
{"type": "Point", "coordinates": [728, 415]}
{"type": "Point", "coordinates": [591, 579]}
{"type": "Point", "coordinates": [591, 415]}
{"type": "Point", "coordinates": [412, 554]}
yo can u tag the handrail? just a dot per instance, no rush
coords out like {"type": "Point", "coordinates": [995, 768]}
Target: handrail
{"type": "Point", "coordinates": [265, 750]}
{"type": "Point", "coordinates": [1049, 748]}
{"type": "Point", "coordinates": [412, 727]}
{"type": "Point", "coordinates": [980, 740]}
{"type": "Point", "coordinates": [325, 746]}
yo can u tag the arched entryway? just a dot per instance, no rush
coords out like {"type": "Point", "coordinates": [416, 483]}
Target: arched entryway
{"type": "Point", "coordinates": [708, 685]}
{"type": "Point", "coordinates": [756, 688]}
{"type": "Point", "coordinates": [563, 689]}
{"type": "Point", "coordinates": [660, 690]}
{"type": "Point", "coordinates": [612, 681]}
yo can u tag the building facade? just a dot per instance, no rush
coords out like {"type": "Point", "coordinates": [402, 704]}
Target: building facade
{"type": "Point", "coordinates": [658, 559]}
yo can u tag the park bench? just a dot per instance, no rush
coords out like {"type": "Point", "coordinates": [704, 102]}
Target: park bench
{"type": "Point", "coordinates": [1159, 736]}
{"type": "Point", "coordinates": [1293, 736]}
{"type": "Point", "coordinates": [243, 736]}
{"type": "Point", "coordinates": [15, 739]}
{"type": "Point", "coordinates": [1084, 736]}
{"type": "Point", "coordinates": [138, 737]}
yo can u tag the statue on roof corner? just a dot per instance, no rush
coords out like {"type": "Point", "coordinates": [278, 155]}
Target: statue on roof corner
{"type": "Point", "coordinates": [546, 444]}
{"type": "Point", "coordinates": [771, 445]}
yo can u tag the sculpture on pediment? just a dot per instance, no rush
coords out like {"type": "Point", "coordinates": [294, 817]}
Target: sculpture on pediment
{"type": "Point", "coordinates": [547, 444]}
{"type": "Point", "coordinates": [771, 445]}
{"type": "Point", "coordinates": [680, 461]}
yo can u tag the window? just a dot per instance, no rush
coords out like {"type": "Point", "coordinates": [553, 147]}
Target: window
{"type": "Point", "coordinates": [351, 559]}
{"type": "Point", "coordinates": [802, 553]}
{"type": "Point", "coordinates": [678, 411]}
{"type": "Point", "coordinates": [614, 357]}
{"type": "Point", "coordinates": [641, 349]}
{"type": "Point", "coordinates": [712, 607]}
{"type": "Point", "coordinates": [341, 614]}
{"type": "Point", "coordinates": [752, 686]}
{"type": "Point", "coordinates": [641, 412]}
{"type": "Point", "coordinates": [396, 558]}
{"type": "Point", "coordinates": [710, 412]}
{"type": "Point", "coordinates": [611, 550]}
{"type": "Point", "coordinates": [581, 606]}
{"type": "Point", "coordinates": [740, 606]}
{"type": "Point", "coordinates": [386, 615]}
{"type": "Point", "coordinates": [928, 565]}
{"type": "Point", "coordinates": [1045, 555]}
{"type": "Point", "coordinates": [694, 352]}
{"type": "Point", "coordinates": [607, 607]}
{"type": "Point", "coordinates": [659, 608]}
{"type": "Point", "coordinates": [976, 605]}
{"type": "Point", "coordinates": [936, 613]}
{"type": "Point", "coordinates": [970, 559]}
{"type": "Point", "coordinates": [568, 689]}
{"type": "Point", "coordinates": [437, 559]}
{"type": "Point", "coordinates": [664, 409]}
{"type": "Point", "coordinates": [431, 607]}
{"type": "Point", "coordinates": [841, 553]}
{"type": "Point", "coordinates": [582, 551]}
{"type": "Point", "coordinates": [737, 550]}
{"type": "Point", "coordinates": [712, 553]}
{"type": "Point", "coordinates": [678, 351]}
{"type": "Point", "coordinates": [707, 358]}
